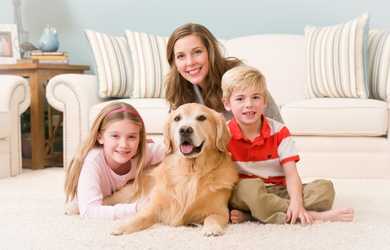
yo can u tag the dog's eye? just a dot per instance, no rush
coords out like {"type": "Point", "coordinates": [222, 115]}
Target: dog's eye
{"type": "Point", "coordinates": [177, 118]}
{"type": "Point", "coordinates": [201, 118]}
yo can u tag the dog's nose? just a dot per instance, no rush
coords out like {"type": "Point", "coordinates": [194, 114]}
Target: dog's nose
{"type": "Point", "coordinates": [186, 131]}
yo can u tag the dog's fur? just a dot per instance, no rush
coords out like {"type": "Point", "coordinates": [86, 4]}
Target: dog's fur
{"type": "Point", "coordinates": [193, 183]}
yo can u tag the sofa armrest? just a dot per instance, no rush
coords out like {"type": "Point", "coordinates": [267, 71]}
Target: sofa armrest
{"type": "Point", "coordinates": [14, 94]}
{"type": "Point", "coordinates": [74, 95]}
{"type": "Point", "coordinates": [388, 121]}
{"type": "Point", "coordinates": [14, 100]}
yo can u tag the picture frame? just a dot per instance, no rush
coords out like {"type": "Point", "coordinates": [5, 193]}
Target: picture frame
{"type": "Point", "coordinates": [9, 44]}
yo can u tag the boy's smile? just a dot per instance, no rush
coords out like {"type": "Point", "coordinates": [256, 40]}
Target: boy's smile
{"type": "Point", "coordinates": [249, 114]}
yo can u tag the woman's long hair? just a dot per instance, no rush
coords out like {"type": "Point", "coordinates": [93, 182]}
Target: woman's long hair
{"type": "Point", "coordinates": [116, 111]}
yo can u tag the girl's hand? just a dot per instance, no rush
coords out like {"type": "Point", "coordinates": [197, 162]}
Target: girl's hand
{"type": "Point", "coordinates": [297, 211]}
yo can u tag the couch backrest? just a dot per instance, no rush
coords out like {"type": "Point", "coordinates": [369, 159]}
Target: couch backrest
{"type": "Point", "coordinates": [281, 58]}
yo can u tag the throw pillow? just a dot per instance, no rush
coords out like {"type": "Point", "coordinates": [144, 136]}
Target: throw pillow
{"type": "Point", "coordinates": [113, 64]}
{"type": "Point", "coordinates": [336, 59]}
{"type": "Point", "coordinates": [379, 64]}
{"type": "Point", "coordinates": [149, 62]}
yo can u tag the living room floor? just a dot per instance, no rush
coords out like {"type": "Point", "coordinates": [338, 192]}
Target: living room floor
{"type": "Point", "coordinates": [31, 215]}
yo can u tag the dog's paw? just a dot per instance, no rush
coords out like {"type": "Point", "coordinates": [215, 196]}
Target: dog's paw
{"type": "Point", "coordinates": [212, 230]}
{"type": "Point", "coordinates": [117, 231]}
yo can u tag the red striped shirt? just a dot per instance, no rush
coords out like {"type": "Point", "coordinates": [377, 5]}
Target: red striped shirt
{"type": "Point", "coordinates": [264, 156]}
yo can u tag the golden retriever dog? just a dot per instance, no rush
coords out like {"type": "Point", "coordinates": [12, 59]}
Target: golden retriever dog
{"type": "Point", "coordinates": [193, 183]}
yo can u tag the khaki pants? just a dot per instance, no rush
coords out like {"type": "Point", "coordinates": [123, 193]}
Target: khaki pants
{"type": "Point", "coordinates": [269, 204]}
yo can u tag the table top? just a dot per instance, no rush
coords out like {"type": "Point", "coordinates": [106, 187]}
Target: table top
{"type": "Point", "coordinates": [37, 65]}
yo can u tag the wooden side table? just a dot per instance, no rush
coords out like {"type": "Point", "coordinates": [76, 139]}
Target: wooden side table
{"type": "Point", "coordinates": [38, 74]}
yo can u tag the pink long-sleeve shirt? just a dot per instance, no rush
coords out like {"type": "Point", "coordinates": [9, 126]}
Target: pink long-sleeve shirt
{"type": "Point", "coordinates": [97, 181]}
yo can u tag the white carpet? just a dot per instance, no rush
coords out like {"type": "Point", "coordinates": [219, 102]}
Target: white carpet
{"type": "Point", "coordinates": [31, 217]}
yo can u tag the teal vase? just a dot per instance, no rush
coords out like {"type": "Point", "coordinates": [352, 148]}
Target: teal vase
{"type": "Point", "coordinates": [49, 40]}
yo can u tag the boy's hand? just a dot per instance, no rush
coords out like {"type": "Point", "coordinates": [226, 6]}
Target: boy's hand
{"type": "Point", "coordinates": [297, 211]}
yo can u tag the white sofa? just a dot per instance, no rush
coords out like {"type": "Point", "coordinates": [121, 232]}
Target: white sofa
{"type": "Point", "coordinates": [14, 100]}
{"type": "Point", "coordinates": [337, 137]}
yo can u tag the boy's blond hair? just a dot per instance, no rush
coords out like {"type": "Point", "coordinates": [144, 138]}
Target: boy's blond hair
{"type": "Point", "coordinates": [242, 77]}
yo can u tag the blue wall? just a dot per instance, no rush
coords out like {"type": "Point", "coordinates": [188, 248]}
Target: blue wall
{"type": "Point", "coordinates": [225, 18]}
{"type": "Point", "coordinates": [6, 12]}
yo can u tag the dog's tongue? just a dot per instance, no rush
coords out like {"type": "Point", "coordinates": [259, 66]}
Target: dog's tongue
{"type": "Point", "coordinates": [186, 149]}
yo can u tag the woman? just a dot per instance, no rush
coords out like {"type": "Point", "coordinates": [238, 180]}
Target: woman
{"type": "Point", "coordinates": [197, 63]}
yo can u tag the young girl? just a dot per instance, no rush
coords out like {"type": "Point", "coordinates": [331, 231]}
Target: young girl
{"type": "Point", "coordinates": [114, 153]}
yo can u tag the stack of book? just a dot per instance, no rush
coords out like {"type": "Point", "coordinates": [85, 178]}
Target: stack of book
{"type": "Point", "coordinates": [58, 57]}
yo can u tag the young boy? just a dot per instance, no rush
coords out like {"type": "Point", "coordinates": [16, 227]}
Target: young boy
{"type": "Point", "coordinates": [270, 189]}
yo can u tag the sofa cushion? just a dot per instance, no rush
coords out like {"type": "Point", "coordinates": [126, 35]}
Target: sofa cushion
{"type": "Point", "coordinates": [379, 63]}
{"type": "Point", "coordinates": [113, 64]}
{"type": "Point", "coordinates": [280, 57]}
{"type": "Point", "coordinates": [154, 112]}
{"type": "Point", "coordinates": [336, 59]}
{"type": "Point", "coordinates": [337, 117]}
{"type": "Point", "coordinates": [149, 62]}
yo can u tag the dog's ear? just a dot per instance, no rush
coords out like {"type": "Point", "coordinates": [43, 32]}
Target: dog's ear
{"type": "Point", "coordinates": [223, 135]}
{"type": "Point", "coordinates": [167, 136]}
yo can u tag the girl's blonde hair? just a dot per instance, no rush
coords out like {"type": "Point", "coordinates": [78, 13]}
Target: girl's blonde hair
{"type": "Point", "coordinates": [116, 111]}
{"type": "Point", "coordinates": [179, 91]}
{"type": "Point", "coordinates": [243, 77]}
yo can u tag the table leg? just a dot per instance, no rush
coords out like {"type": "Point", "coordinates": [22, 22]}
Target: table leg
{"type": "Point", "coordinates": [37, 123]}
